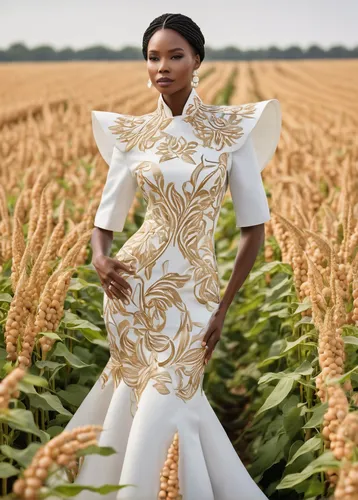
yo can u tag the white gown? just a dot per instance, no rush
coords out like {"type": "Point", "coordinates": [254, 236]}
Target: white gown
{"type": "Point", "coordinates": [151, 388]}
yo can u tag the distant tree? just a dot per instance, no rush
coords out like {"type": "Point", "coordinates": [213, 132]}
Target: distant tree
{"type": "Point", "coordinates": [337, 52]}
{"type": "Point", "coordinates": [66, 54]}
{"type": "Point", "coordinates": [294, 52]}
{"type": "Point", "coordinates": [43, 53]}
{"type": "Point", "coordinates": [19, 52]}
{"type": "Point", "coordinates": [315, 52]}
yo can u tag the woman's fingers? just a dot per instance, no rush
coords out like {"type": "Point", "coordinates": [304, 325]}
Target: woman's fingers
{"type": "Point", "coordinates": [120, 292]}
{"type": "Point", "coordinates": [119, 282]}
{"type": "Point", "coordinates": [108, 291]}
{"type": "Point", "coordinates": [130, 268]}
{"type": "Point", "coordinates": [210, 344]}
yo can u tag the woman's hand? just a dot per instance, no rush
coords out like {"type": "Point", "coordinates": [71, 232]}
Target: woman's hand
{"type": "Point", "coordinates": [213, 333]}
{"type": "Point", "coordinates": [108, 272]}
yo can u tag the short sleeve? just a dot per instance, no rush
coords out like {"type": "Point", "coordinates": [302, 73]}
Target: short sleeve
{"type": "Point", "coordinates": [104, 137]}
{"type": "Point", "coordinates": [246, 187]}
{"type": "Point", "coordinates": [118, 194]}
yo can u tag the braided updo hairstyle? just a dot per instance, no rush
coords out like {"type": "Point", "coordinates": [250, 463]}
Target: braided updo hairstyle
{"type": "Point", "coordinates": [180, 23]}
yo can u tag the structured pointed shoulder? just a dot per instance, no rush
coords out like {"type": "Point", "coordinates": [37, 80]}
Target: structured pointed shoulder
{"type": "Point", "coordinates": [104, 137]}
{"type": "Point", "coordinates": [227, 127]}
{"type": "Point", "coordinates": [126, 131]}
{"type": "Point", "coordinates": [262, 121]}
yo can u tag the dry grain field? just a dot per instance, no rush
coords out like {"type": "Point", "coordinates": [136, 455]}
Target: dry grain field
{"type": "Point", "coordinates": [51, 179]}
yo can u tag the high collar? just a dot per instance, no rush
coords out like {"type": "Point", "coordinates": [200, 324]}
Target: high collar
{"type": "Point", "coordinates": [188, 109]}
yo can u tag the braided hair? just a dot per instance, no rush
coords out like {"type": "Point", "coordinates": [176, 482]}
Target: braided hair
{"type": "Point", "coordinates": [180, 23]}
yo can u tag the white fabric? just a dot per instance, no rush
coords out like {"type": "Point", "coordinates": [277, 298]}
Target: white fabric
{"type": "Point", "coordinates": [105, 141]}
{"type": "Point", "coordinates": [152, 387]}
{"type": "Point", "coordinates": [246, 187]}
{"type": "Point", "coordinates": [118, 193]}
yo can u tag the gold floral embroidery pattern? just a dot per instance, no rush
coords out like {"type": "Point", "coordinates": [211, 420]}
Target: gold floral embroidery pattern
{"type": "Point", "coordinates": [136, 361]}
{"type": "Point", "coordinates": [172, 147]}
{"type": "Point", "coordinates": [140, 130]}
{"type": "Point", "coordinates": [217, 126]}
{"type": "Point", "coordinates": [140, 348]}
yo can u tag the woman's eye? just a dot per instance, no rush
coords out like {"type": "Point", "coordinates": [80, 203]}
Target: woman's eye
{"type": "Point", "coordinates": [152, 58]}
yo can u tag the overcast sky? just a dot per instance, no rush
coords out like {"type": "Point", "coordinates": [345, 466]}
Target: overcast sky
{"type": "Point", "coordinates": [242, 23]}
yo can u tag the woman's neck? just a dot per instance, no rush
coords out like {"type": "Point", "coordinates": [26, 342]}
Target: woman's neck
{"type": "Point", "coordinates": [177, 101]}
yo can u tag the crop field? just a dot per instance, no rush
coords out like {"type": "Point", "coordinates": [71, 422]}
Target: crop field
{"type": "Point", "coordinates": [284, 377]}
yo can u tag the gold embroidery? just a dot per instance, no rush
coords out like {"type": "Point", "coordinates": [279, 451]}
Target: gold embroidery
{"type": "Point", "coordinates": [140, 130]}
{"type": "Point", "coordinates": [173, 147]}
{"type": "Point", "coordinates": [216, 126]}
{"type": "Point", "coordinates": [144, 345]}
{"type": "Point", "coordinates": [140, 348]}
{"type": "Point", "coordinates": [211, 125]}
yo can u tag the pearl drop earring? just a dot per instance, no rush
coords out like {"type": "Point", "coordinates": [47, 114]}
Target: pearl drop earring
{"type": "Point", "coordinates": [149, 83]}
{"type": "Point", "coordinates": [195, 80]}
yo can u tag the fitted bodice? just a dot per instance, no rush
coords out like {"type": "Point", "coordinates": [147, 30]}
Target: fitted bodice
{"type": "Point", "coordinates": [182, 166]}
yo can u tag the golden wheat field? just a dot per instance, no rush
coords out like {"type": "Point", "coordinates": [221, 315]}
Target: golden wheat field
{"type": "Point", "coordinates": [51, 180]}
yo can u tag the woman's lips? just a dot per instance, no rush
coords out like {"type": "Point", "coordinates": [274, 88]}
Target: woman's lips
{"type": "Point", "coordinates": [164, 83]}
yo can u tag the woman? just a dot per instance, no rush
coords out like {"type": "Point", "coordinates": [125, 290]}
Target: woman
{"type": "Point", "coordinates": [162, 305]}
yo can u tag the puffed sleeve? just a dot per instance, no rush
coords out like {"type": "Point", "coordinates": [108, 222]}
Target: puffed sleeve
{"type": "Point", "coordinates": [246, 187]}
{"type": "Point", "coordinates": [120, 187]}
{"type": "Point", "coordinates": [261, 133]}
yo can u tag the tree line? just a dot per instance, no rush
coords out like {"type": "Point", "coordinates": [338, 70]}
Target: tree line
{"type": "Point", "coordinates": [20, 52]}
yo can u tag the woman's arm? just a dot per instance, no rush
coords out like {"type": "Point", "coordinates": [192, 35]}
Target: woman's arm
{"type": "Point", "coordinates": [101, 243]}
{"type": "Point", "coordinates": [252, 237]}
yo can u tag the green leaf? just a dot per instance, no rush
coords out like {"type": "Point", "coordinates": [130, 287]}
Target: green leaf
{"type": "Point", "coordinates": [23, 420]}
{"type": "Point", "coordinates": [35, 380]}
{"type": "Point", "coordinates": [280, 392]}
{"type": "Point", "coordinates": [270, 267]}
{"type": "Point", "coordinates": [317, 416]}
{"type": "Point", "coordinates": [322, 463]}
{"type": "Point", "coordinates": [276, 291]}
{"type": "Point", "coordinates": [26, 388]}
{"type": "Point", "coordinates": [79, 283]}
{"type": "Point", "coordinates": [105, 451]}
{"type": "Point", "coordinates": [306, 320]}
{"type": "Point", "coordinates": [289, 347]}
{"type": "Point", "coordinates": [349, 339]}
{"type": "Point", "coordinates": [22, 457]}
{"type": "Point", "coordinates": [73, 322]}
{"type": "Point", "coordinates": [71, 490]}
{"type": "Point", "coordinates": [8, 470]}
{"type": "Point", "coordinates": [74, 394]}
{"type": "Point", "coordinates": [293, 422]}
{"type": "Point", "coordinates": [310, 445]}
{"type": "Point", "coordinates": [295, 343]}
{"type": "Point", "coordinates": [350, 329]}
{"type": "Point", "coordinates": [61, 350]}
{"type": "Point", "coordinates": [271, 453]}
{"type": "Point", "coordinates": [303, 306]}
{"type": "Point", "coordinates": [269, 377]}
{"type": "Point", "coordinates": [49, 365]}
{"type": "Point", "coordinates": [5, 297]}
{"type": "Point", "coordinates": [48, 401]}
{"type": "Point", "coordinates": [305, 368]}
{"type": "Point", "coordinates": [51, 335]}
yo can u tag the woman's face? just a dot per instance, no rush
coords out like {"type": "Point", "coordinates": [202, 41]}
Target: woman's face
{"type": "Point", "coordinates": [171, 56]}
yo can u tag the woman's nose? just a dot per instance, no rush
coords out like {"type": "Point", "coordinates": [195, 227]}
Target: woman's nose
{"type": "Point", "coordinates": [164, 66]}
